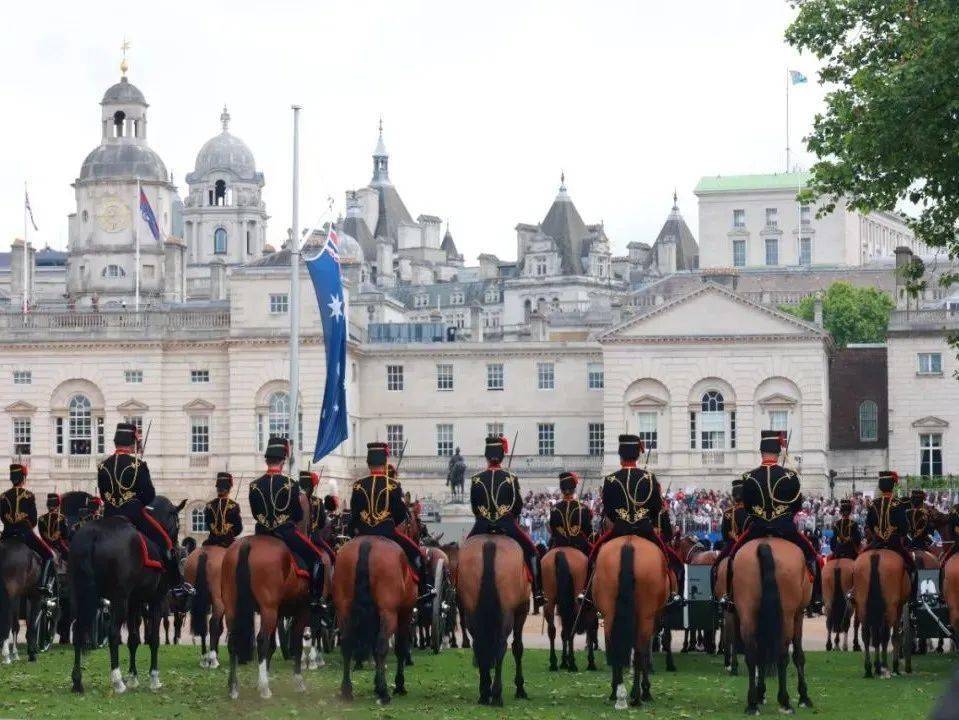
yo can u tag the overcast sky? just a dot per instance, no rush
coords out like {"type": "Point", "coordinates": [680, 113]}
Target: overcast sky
{"type": "Point", "coordinates": [483, 103]}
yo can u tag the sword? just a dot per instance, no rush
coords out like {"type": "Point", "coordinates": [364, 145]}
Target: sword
{"type": "Point", "coordinates": [509, 463]}
{"type": "Point", "coordinates": [146, 437]}
{"type": "Point", "coordinates": [402, 454]}
{"type": "Point", "coordinates": [935, 618]}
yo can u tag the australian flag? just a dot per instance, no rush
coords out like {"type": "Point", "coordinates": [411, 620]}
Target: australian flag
{"type": "Point", "coordinates": [328, 283]}
{"type": "Point", "coordinates": [148, 217]}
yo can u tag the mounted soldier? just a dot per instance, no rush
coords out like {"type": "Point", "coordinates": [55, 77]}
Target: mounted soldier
{"type": "Point", "coordinates": [570, 521]}
{"type": "Point", "coordinates": [497, 503]}
{"type": "Point", "coordinates": [887, 524]}
{"type": "Point", "coordinates": [847, 537]}
{"type": "Point", "coordinates": [377, 508]}
{"type": "Point", "coordinates": [919, 522]}
{"type": "Point", "coordinates": [18, 511]}
{"type": "Point", "coordinates": [222, 515]}
{"type": "Point", "coordinates": [124, 484]}
{"type": "Point", "coordinates": [53, 528]}
{"type": "Point", "coordinates": [455, 474]}
{"type": "Point", "coordinates": [334, 520]}
{"type": "Point", "coordinates": [309, 481]}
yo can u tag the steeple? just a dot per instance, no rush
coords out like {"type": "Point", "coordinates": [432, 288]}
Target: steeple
{"type": "Point", "coordinates": [225, 119]}
{"type": "Point", "coordinates": [562, 195]}
{"type": "Point", "coordinates": [381, 160]}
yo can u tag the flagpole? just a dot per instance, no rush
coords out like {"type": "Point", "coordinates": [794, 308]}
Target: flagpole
{"type": "Point", "coordinates": [295, 301]}
{"type": "Point", "coordinates": [788, 82]}
{"type": "Point", "coordinates": [136, 250]}
{"type": "Point", "coordinates": [26, 251]}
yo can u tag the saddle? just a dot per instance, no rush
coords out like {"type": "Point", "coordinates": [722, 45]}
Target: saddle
{"type": "Point", "coordinates": [300, 567]}
{"type": "Point", "coordinates": [149, 553]}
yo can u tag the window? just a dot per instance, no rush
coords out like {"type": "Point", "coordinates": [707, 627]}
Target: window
{"type": "Point", "coordinates": [739, 218]}
{"type": "Point", "coordinates": [101, 443]}
{"type": "Point", "coordinates": [278, 417]}
{"type": "Point", "coordinates": [540, 266]}
{"type": "Point", "coordinates": [421, 301]}
{"type": "Point", "coordinates": [133, 376]}
{"type": "Point", "coordinates": [279, 303]}
{"type": "Point", "coordinates": [930, 363]}
{"type": "Point", "coordinates": [739, 253]}
{"type": "Point", "coordinates": [595, 438]}
{"type": "Point", "coordinates": [779, 420]}
{"type": "Point", "coordinates": [692, 430]}
{"type": "Point", "coordinates": [394, 377]}
{"type": "Point", "coordinates": [494, 428]}
{"type": "Point", "coordinates": [494, 376]}
{"type": "Point", "coordinates": [22, 377]}
{"type": "Point", "coordinates": [219, 192]}
{"type": "Point", "coordinates": [546, 437]}
{"type": "Point", "coordinates": [492, 295]}
{"type": "Point", "coordinates": [868, 421]}
{"type": "Point", "coordinates": [22, 436]}
{"type": "Point", "coordinates": [249, 243]}
{"type": "Point", "coordinates": [444, 377]}
{"type": "Point", "coordinates": [136, 420]}
{"type": "Point", "coordinates": [457, 298]}
{"type": "Point", "coordinates": [772, 251]}
{"type": "Point", "coordinates": [595, 380]}
{"type": "Point", "coordinates": [732, 429]}
{"type": "Point", "coordinates": [113, 271]}
{"type": "Point", "coordinates": [198, 521]}
{"type": "Point", "coordinates": [772, 217]}
{"type": "Point", "coordinates": [805, 251]}
{"type": "Point", "coordinates": [648, 430]}
{"type": "Point", "coordinates": [199, 376]}
{"type": "Point", "coordinates": [444, 440]}
{"type": "Point", "coordinates": [712, 421]}
{"type": "Point", "coordinates": [930, 455]}
{"type": "Point", "coordinates": [199, 434]}
{"type": "Point", "coordinates": [219, 241]}
{"type": "Point", "coordinates": [805, 215]}
{"type": "Point", "coordinates": [119, 118]}
{"type": "Point", "coordinates": [394, 437]}
{"type": "Point", "coordinates": [81, 426]}
{"type": "Point", "coordinates": [58, 435]}
{"type": "Point", "coordinates": [545, 376]}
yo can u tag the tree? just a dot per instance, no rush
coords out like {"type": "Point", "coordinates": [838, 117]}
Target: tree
{"type": "Point", "coordinates": [851, 314]}
{"type": "Point", "coordinates": [890, 132]}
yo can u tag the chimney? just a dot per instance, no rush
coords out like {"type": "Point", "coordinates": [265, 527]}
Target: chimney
{"type": "Point", "coordinates": [217, 279]}
{"type": "Point", "coordinates": [22, 253]}
{"type": "Point", "coordinates": [488, 266]}
{"type": "Point", "coordinates": [174, 270]}
{"type": "Point", "coordinates": [476, 324]}
{"type": "Point", "coordinates": [385, 276]}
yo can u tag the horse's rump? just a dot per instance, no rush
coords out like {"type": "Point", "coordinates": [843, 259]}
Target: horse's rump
{"type": "Point", "coordinates": [512, 580]}
{"type": "Point", "coordinates": [836, 583]}
{"type": "Point", "coordinates": [880, 587]}
{"type": "Point", "coordinates": [650, 577]}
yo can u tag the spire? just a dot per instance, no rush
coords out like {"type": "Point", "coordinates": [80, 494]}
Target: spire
{"type": "Point", "coordinates": [381, 175]}
{"type": "Point", "coordinates": [380, 150]}
{"type": "Point", "coordinates": [225, 119]}
{"type": "Point", "coordinates": [675, 201]}
{"type": "Point", "coordinates": [124, 66]}
{"type": "Point", "coordinates": [562, 194]}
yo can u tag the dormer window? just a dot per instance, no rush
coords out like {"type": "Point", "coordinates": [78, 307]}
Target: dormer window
{"type": "Point", "coordinates": [119, 119]}
{"type": "Point", "coordinates": [539, 267]}
{"type": "Point", "coordinates": [457, 298]}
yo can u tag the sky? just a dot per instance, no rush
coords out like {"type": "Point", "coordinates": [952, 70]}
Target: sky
{"type": "Point", "coordinates": [483, 104]}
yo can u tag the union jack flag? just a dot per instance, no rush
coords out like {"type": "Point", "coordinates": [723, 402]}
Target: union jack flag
{"type": "Point", "coordinates": [332, 245]}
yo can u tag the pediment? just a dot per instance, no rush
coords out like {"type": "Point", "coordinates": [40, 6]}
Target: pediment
{"type": "Point", "coordinates": [647, 401]}
{"type": "Point", "coordinates": [199, 405]}
{"type": "Point", "coordinates": [931, 421]}
{"type": "Point", "coordinates": [132, 406]}
{"type": "Point", "coordinates": [712, 311]}
{"type": "Point", "coordinates": [777, 399]}
{"type": "Point", "coordinates": [21, 406]}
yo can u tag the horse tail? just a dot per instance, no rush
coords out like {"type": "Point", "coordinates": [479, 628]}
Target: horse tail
{"type": "Point", "coordinates": [837, 610]}
{"type": "Point", "coordinates": [83, 583]}
{"type": "Point", "coordinates": [201, 601]}
{"type": "Point", "coordinates": [5, 608]}
{"type": "Point", "coordinates": [564, 594]}
{"type": "Point", "coordinates": [875, 604]}
{"type": "Point", "coordinates": [769, 620]}
{"type": "Point", "coordinates": [242, 633]}
{"type": "Point", "coordinates": [364, 618]}
{"type": "Point", "coordinates": [623, 634]}
{"type": "Point", "coordinates": [489, 642]}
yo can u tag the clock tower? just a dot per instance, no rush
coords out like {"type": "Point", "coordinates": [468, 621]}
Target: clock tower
{"type": "Point", "coordinates": [107, 226]}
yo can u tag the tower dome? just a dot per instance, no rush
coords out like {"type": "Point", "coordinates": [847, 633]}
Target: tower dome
{"type": "Point", "coordinates": [225, 152]}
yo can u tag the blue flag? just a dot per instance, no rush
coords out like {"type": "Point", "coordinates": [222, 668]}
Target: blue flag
{"type": "Point", "coordinates": [797, 77]}
{"type": "Point", "coordinates": [328, 283]}
{"type": "Point", "coordinates": [148, 217]}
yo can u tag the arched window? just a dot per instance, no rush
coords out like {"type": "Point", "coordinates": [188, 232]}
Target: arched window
{"type": "Point", "coordinates": [219, 192]}
{"type": "Point", "coordinates": [868, 421]}
{"type": "Point", "coordinates": [713, 401]}
{"type": "Point", "coordinates": [113, 271]}
{"type": "Point", "coordinates": [713, 421]}
{"type": "Point", "coordinates": [80, 425]}
{"type": "Point", "coordinates": [198, 520]}
{"type": "Point", "coordinates": [219, 241]}
{"type": "Point", "coordinates": [527, 308]}
{"type": "Point", "coordinates": [276, 419]}
{"type": "Point", "coordinates": [119, 118]}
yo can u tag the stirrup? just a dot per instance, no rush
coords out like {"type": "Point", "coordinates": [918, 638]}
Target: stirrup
{"type": "Point", "coordinates": [726, 604]}
{"type": "Point", "coordinates": [428, 594]}
{"type": "Point", "coordinates": [182, 590]}
{"type": "Point", "coordinates": [674, 599]}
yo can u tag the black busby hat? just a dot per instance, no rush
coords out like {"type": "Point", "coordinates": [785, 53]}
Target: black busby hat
{"type": "Point", "coordinates": [224, 481]}
{"type": "Point", "coordinates": [845, 505]}
{"type": "Point", "coordinates": [772, 442]}
{"type": "Point", "coordinates": [630, 447]}
{"type": "Point", "coordinates": [331, 503]}
{"type": "Point", "coordinates": [308, 480]}
{"type": "Point", "coordinates": [376, 454]}
{"type": "Point", "coordinates": [496, 448]}
{"type": "Point", "coordinates": [738, 488]}
{"type": "Point", "coordinates": [568, 482]}
{"type": "Point", "coordinates": [53, 500]}
{"type": "Point", "coordinates": [888, 479]}
{"type": "Point", "coordinates": [18, 473]}
{"type": "Point", "coordinates": [126, 435]}
{"type": "Point", "coordinates": [278, 448]}
{"type": "Point", "coordinates": [918, 496]}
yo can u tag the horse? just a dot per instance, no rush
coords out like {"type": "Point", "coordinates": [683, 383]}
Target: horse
{"type": "Point", "coordinates": [452, 551]}
{"type": "Point", "coordinates": [564, 580]}
{"type": "Point", "coordinates": [881, 588]}
{"type": "Point", "coordinates": [110, 560]}
{"type": "Point", "coordinates": [950, 591]}
{"type": "Point", "coordinates": [20, 569]}
{"type": "Point", "coordinates": [836, 585]}
{"type": "Point", "coordinates": [374, 592]}
{"type": "Point", "coordinates": [494, 587]}
{"type": "Point", "coordinates": [71, 505]}
{"type": "Point", "coordinates": [260, 574]}
{"type": "Point", "coordinates": [456, 479]}
{"type": "Point", "coordinates": [203, 569]}
{"type": "Point", "coordinates": [631, 584]}
{"type": "Point", "coordinates": [692, 552]}
{"type": "Point", "coordinates": [729, 629]}
{"type": "Point", "coordinates": [771, 590]}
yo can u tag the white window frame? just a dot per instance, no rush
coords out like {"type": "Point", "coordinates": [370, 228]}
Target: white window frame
{"type": "Point", "coordinates": [495, 428]}
{"type": "Point", "coordinates": [929, 363]}
{"type": "Point", "coordinates": [444, 440]}
{"type": "Point", "coordinates": [739, 218]}
{"type": "Point", "coordinates": [739, 244]}
{"type": "Point", "coordinates": [805, 214]}
{"type": "Point", "coordinates": [136, 420]}
{"type": "Point", "coordinates": [133, 377]}
{"type": "Point", "coordinates": [395, 439]}
{"type": "Point", "coordinates": [807, 260]}
{"type": "Point", "coordinates": [279, 303]}
{"type": "Point", "coordinates": [199, 376]}
{"type": "Point", "coordinates": [80, 424]}
{"type": "Point", "coordinates": [546, 439]}
{"type": "Point", "coordinates": [495, 376]}
{"type": "Point", "coordinates": [647, 428]}
{"type": "Point", "coordinates": [867, 422]}
{"type": "Point", "coordinates": [545, 376]}
{"type": "Point", "coordinates": [772, 217]}
{"type": "Point", "coordinates": [930, 443]}
{"type": "Point", "coordinates": [595, 439]}
{"type": "Point", "coordinates": [394, 378]}
{"type": "Point", "coordinates": [595, 376]}
{"type": "Point", "coordinates": [200, 435]}
{"type": "Point", "coordinates": [22, 436]}
{"type": "Point", "coordinates": [22, 377]}
{"type": "Point", "coordinates": [771, 242]}
{"type": "Point", "coordinates": [444, 377]}
{"type": "Point", "coordinates": [779, 420]}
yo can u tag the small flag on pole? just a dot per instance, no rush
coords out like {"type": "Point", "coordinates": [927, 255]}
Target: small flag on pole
{"type": "Point", "coordinates": [797, 77]}
{"type": "Point", "coordinates": [148, 217]}
{"type": "Point", "coordinates": [26, 205]}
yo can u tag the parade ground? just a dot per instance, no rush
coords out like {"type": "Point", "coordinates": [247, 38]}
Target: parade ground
{"type": "Point", "coordinates": [445, 686]}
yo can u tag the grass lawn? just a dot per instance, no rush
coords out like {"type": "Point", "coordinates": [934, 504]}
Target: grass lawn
{"type": "Point", "coordinates": [445, 686]}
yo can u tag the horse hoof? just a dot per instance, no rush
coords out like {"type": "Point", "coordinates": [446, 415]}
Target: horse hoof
{"type": "Point", "coordinates": [496, 702]}
{"type": "Point", "coordinates": [885, 674]}
{"type": "Point", "coordinates": [155, 683]}
{"type": "Point", "coordinates": [399, 690]}
{"type": "Point", "coordinates": [299, 684]}
{"type": "Point", "coordinates": [265, 693]}
{"type": "Point", "coordinates": [312, 665]}
{"type": "Point", "coordinates": [213, 663]}
{"type": "Point", "coordinates": [383, 700]}
{"type": "Point", "coordinates": [573, 668]}
{"type": "Point", "coordinates": [592, 667]}
{"type": "Point", "coordinates": [133, 682]}
{"type": "Point", "coordinates": [670, 668]}
{"type": "Point", "coordinates": [234, 694]}
{"type": "Point", "coordinates": [635, 702]}
{"type": "Point", "coordinates": [752, 710]}
{"type": "Point", "coordinates": [553, 667]}
{"type": "Point", "coordinates": [346, 694]}
{"type": "Point", "coordinates": [805, 703]}
{"type": "Point", "coordinates": [483, 701]}
{"type": "Point", "coordinates": [204, 663]}
{"type": "Point", "coordinates": [786, 711]}
{"type": "Point", "coordinates": [521, 694]}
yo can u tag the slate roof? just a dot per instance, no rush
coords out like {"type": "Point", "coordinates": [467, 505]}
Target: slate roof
{"type": "Point", "coordinates": [564, 224]}
{"type": "Point", "coordinates": [358, 229]}
{"type": "Point", "coordinates": [392, 212]}
{"type": "Point", "coordinates": [448, 246]}
{"type": "Point", "coordinates": [474, 293]}
{"type": "Point", "coordinates": [687, 249]}
{"type": "Point", "coordinates": [123, 92]}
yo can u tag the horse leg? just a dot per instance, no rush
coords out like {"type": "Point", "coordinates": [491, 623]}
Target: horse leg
{"type": "Point", "coordinates": [668, 648]}
{"type": "Point", "coordinates": [856, 647]}
{"type": "Point", "coordinates": [518, 679]}
{"type": "Point", "coordinates": [571, 639]}
{"type": "Point", "coordinates": [799, 660]}
{"type": "Point", "coordinates": [153, 627]}
{"type": "Point", "coordinates": [233, 684]}
{"type": "Point", "coordinates": [635, 693]}
{"type": "Point", "coordinates": [33, 620]}
{"type": "Point", "coordinates": [463, 623]}
{"type": "Point", "coordinates": [346, 684]}
{"type": "Point", "coordinates": [685, 647]}
{"type": "Point", "coordinates": [296, 644]}
{"type": "Point", "coordinates": [781, 666]}
{"type": "Point", "coordinates": [617, 678]}
{"type": "Point", "coordinates": [551, 633]}
{"type": "Point", "coordinates": [496, 691]}
{"type": "Point", "coordinates": [380, 651]}
{"type": "Point", "coordinates": [485, 685]}
{"type": "Point", "coordinates": [116, 679]}
{"type": "Point", "coordinates": [216, 630]}
{"type": "Point", "coordinates": [591, 642]}
{"type": "Point", "coordinates": [399, 680]}
{"type": "Point", "coordinates": [752, 693]}
{"type": "Point", "coordinates": [133, 643]}
{"type": "Point", "coordinates": [264, 650]}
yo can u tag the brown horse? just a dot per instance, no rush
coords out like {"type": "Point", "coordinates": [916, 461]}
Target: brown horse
{"type": "Point", "coordinates": [692, 552]}
{"type": "Point", "coordinates": [20, 569]}
{"type": "Point", "coordinates": [881, 588]}
{"type": "Point", "coordinates": [374, 592]}
{"type": "Point", "coordinates": [631, 584]}
{"type": "Point", "coordinates": [495, 591]}
{"type": "Point", "coordinates": [836, 586]}
{"type": "Point", "coordinates": [202, 569]}
{"type": "Point", "coordinates": [564, 580]}
{"type": "Point", "coordinates": [771, 589]}
{"type": "Point", "coordinates": [729, 630]}
{"type": "Point", "coordinates": [452, 551]}
{"type": "Point", "coordinates": [950, 591]}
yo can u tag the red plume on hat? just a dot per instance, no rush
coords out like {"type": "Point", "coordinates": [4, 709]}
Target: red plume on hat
{"type": "Point", "coordinates": [505, 444]}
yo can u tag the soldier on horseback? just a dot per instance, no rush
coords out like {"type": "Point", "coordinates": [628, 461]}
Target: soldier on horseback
{"type": "Point", "coordinates": [309, 481]}
{"type": "Point", "coordinates": [570, 522]}
{"type": "Point", "coordinates": [497, 502]}
{"type": "Point", "coordinates": [18, 511]}
{"type": "Point", "coordinates": [887, 524]}
{"type": "Point", "coordinates": [847, 537]}
{"type": "Point", "coordinates": [223, 520]}
{"type": "Point", "coordinates": [918, 516]}
{"type": "Point", "coordinates": [52, 526]}
{"type": "Point", "coordinates": [455, 475]}
{"type": "Point", "coordinates": [377, 508]}
{"type": "Point", "coordinates": [275, 504]}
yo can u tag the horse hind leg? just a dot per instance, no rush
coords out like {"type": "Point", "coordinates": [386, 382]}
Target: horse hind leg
{"type": "Point", "coordinates": [496, 691]}
{"type": "Point", "coordinates": [781, 666]}
{"type": "Point", "coordinates": [264, 650]}
{"type": "Point", "coordinates": [571, 663]}
{"type": "Point", "coordinates": [519, 681]}
{"type": "Point", "coordinates": [799, 660]}
{"type": "Point", "coordinates": [116, 677]}
{"type": "Point", "coordinates": [551, 634]}
{"type": "Point", "coordinates": [379, 679]}
{"type": "Point", "coordinates": [668, 649]}
{"type": "Point", "coordinates": [133, 643]}
{"type": "Point", "coordinates": [154, 639]}
{"type": "Point", "coordinates": [401, 650]}
{"type": "Point", "coordinates": [296, 644]}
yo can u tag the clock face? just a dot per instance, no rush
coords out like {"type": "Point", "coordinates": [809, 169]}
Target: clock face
{"type": "Point", "coordinates": [113, 215]}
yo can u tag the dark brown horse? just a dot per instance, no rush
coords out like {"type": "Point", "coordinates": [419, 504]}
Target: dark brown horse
{"type": "Point", "coordinates": [881, 588]}
{"type": "Point", "coordinates": [564, 580]}
{"type": "Point", "coordinates": [729, 630]}
{"type": "Point", "coordinates": [452, 551]}
{"type": "Point", "coordinates": [630, 587]}
{"type": "Point", "coordinates": [771, 590]}
{"type": "Point", "coordinates": [836, 586]}
{"type": "Point", "coordinates": [202, 569]}
{"type": "Point", "coordinates": [20, 569]}
{"type": "Point", "coordinates": [374, 592]}
{"type": "Point", "coordinates": [950, 590]}
{"type": "Point", "coordinates": [494, 587]}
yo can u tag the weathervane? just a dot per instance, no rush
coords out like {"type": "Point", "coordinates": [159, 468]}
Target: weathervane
{"type": "Point", "coordinates": [124, 66]}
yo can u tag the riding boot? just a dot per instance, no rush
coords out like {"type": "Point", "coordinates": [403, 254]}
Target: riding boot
{"type": "Point", "coordinates": [316, 586]}
{"type": "Point", "coordinates": [815, 604]}
{"type": "Point", "coordinates": [538, 599]}
{"type": "Point", "coordinates": [179, 588]}
{"type": "Point", "coordinates": [45, 581]}
{"type": "Point", "coordinates": [426, 589]}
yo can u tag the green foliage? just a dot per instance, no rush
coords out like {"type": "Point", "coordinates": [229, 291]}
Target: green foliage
{"type": "Point", "coordinates": [890, 132]}
{"type": "Point", "coordinates": [851, 314]}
